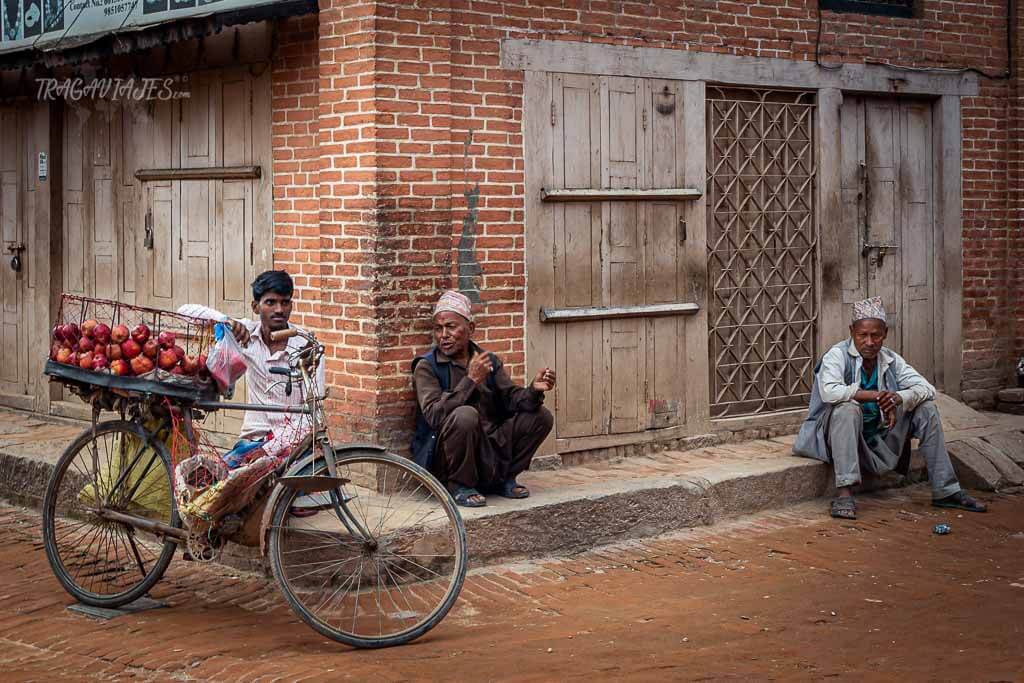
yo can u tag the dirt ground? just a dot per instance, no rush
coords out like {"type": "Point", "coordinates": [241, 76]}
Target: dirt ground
{"type": "Point", "coordinates": [789, 595]}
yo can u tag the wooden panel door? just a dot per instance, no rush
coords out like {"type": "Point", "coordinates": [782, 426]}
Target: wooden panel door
{"type": "Point", "coordinates": [619, 376]}
{"type": "Point", "coordinates": [14, 376]}
{"type": "Point", "coordinates": [887, 176]}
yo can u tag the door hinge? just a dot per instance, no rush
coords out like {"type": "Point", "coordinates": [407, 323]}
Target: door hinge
{"type": "Point", "coordinates": [552, 112]}
{"type": "Point", "coordinates": [181, 248]}
{"type": "Point", "coordinates": [643, 118]}
{"type": "Point", "coordinates": [252, 251]}
{"type": "Point", "coordinates": [682, 231]}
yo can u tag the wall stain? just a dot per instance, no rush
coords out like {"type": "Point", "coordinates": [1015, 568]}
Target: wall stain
{"type": "Point", "coordinates": [469, 267]}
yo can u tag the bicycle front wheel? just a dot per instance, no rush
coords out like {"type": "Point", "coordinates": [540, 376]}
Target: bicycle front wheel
{"type": "Point", "coordinates": [118, 467]}
{"type": "Point", "coordinates": [376, 562]}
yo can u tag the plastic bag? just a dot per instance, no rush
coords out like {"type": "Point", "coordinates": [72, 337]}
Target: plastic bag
{"type": "Point", "coordinates": [226, 361]}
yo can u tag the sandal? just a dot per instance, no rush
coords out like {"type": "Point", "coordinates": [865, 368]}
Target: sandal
{"type": "Point", "coordinates": [844, 507]}
{"type": "Point", "coordinates": [960, 501]}
{"type": "Point", "coordinates": [468, 497]}
{"type": "Point", "coordinates": [510, 489]}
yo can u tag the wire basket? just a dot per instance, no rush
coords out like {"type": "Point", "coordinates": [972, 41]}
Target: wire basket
{"type": "Point", "coordinates": [111, 339]}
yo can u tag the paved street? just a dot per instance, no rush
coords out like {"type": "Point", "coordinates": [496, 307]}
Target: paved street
{"type": "Point", "coordinates": [786, 595]}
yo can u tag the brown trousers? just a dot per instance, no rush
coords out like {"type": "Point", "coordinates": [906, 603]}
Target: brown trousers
{"type": "Point", "coordinates": [474, 454]}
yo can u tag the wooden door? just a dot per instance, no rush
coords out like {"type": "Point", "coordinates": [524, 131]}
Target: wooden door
{"type": "Point", "coordinates": [887, 181]}
{"type": "Point", "coordinates": [15, 214]}
{"type": "Point", "coordinates": [618, 376]}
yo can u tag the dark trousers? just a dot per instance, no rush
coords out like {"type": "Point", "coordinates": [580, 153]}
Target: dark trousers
{"type": "Point", "coordinates": [474, 454]}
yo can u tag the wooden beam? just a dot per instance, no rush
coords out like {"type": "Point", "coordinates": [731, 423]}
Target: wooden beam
{"type": "Point", "coordinates": [678, 193]}
{"type": "Point", "coordinates": [563, 315]}
{"type": "Point", "coordinates": [831, 321]}
{"type": "Point", "coordinates": [949, 276]}
{"type": "Point", "coordinates": [650, 62]}
{"type": "Point", "coordinates": [208, 173]}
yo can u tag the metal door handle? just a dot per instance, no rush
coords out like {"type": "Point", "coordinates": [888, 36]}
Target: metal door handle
{"type": "Point", "coordinates": [881, 247]}
{"type": "Point", "coordinates": [147, 241]}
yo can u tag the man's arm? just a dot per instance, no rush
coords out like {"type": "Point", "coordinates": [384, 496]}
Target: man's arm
{"type": "Point", "coordinates": [832, 383]}
{"type": "Point", "coordinates": [913, 389]}
{"type": "Point", "coordinates": [241, 328]}
{"type": "Point", "coordinates": [515, 398]}
{"type": "Point", "coordinates": [435, 404]}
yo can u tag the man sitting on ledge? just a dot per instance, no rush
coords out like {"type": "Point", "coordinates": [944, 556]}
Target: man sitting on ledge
{"type": "Point", "coordinates": [866, 402]}
{"type": "Point", "coordinates": [475, 429]}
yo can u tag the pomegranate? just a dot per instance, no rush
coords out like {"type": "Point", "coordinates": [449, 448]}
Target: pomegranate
{"type": "Point", "coordinates": [72, 332]}
{"type": "Point", "coordinates": [70, 344]}
{"type": "Point", "coordinates": [58, 332]}
{"type": "Point", "coordinates": [99, 362]}
{"type": "Point", "coordinates": [101, 333]}
{"type": "Point", "coordinates": [167, 359]}
{"type": "Point", "coordinates": [85, 360]}
{"type": "Point", "coordinates": [150, 349]}
{"type": "Point", "coordinates": [120, 367]}
{"type": "Point", "coordinates": [177, 370]}
{"type": "Point", "coordinates": [55, 348]}
{"type": "Point", "coordinates": [179, 352]}
{"type": "Point", "coordinates": [130, 349]}
{"type": "Point", "coordinates": [141, 365]}
{"type": "Point", "coordinates": [88, 326]}
{"type": "Point", "coordinates": [165, 339]}
{"type": "Point", "coordinates": [119, 334]}
{"type": "Point", "coordinates": [189, 365]}
{"type": "Point", "coordinates": [140, 333]}
{"type": "Point", "coordinates": [66, 355]}
{"type": "Point", "coordinates": [99, 349]}
{"type": "Point", "coordinates": [86, 344]}
{"type": "Point", "coordinates": [113, 351]}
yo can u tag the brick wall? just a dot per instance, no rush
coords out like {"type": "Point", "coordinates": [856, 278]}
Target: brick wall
{"type": "Point", "coordinates": [422, 161]}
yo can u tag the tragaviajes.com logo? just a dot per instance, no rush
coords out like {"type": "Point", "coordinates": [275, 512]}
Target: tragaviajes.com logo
{"type": "Point", "coordinates": [75, 89]}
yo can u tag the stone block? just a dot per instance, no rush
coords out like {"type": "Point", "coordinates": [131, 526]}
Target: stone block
{"type": "Point", "coordinates": [1010, 443]}
{"type": "Point", "coordinates": [1014, 395]}
{"type": "Point", "coordinates": [1010, 472]}
{"type": "Point", "coordinates": [974, 470]}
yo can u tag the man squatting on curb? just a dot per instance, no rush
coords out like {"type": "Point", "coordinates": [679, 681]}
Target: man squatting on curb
{"type": "Point", "coordinates": [476, 431]}
{"type": "Point", "coordinates": [866, 403]}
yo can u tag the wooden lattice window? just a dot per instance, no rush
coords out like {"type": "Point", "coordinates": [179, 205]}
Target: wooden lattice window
{"type": "Point", "coordinates": [885, 8]}
{"type": "Point", "coordinates": [763, 303]}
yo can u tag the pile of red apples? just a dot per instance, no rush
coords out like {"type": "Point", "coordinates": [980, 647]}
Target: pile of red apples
{"type": "Point", "coordinates": [98, 347]}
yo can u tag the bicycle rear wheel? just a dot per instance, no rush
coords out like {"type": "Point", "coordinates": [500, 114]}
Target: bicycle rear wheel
{"type": "Point", "coordinates": [377, 562]}
{"type": "Point", "coordinates": [117, 467]}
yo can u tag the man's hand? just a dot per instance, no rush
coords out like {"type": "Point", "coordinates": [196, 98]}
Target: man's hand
{"type": "Point", "coordinates": [241, 333]}
{"type": "Point", "coordinates": [544, 381]}
{"type": "Point", "coordinates": [888, 401]}
{"type": "Point", "coordinates": [480, 367]}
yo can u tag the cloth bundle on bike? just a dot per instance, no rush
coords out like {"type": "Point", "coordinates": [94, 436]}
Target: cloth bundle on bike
{"type": "Point", "coordinates": [226, 360]}
{"type": "Point", "coordinates": [207, 491]}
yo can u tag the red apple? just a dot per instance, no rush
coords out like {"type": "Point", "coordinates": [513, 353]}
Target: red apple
{"type": "Point", "coordinates": [140, 333]}
{"type": "Point", "coordinates": [101, 333]}
{"type": "Point", "coordinates": [141, 365]}
{"type": "Point", "coordinates": [86, 344]}
{"type": "Point", "coordinates": [67, 356]}
{"type": "Point", "coordinates": [189, 365]}
{"type": "Point", "coordinates": [120, 367]}
{"type": "Point", "coordinates": [113, 351]}
{"type": "Point", "coordinates": [150, 349]}
{"type": "Point", "coordinates": [167, 359]}
{"type": "Point", "coordinates": [119, 334]}
{"type": "Point", "coordinates": [88, 326]}
{"type": "Point", "coordinates": [85, 360]}
{"type": "Point", "coordinates": [179, 352]}
{"type": "Point", "coordinates": [130, 349]}
{"type": "Point", "coordinates": [99, 362]}
{"type": "Point", "coordinates": [165, 339]}
{"type": "Point", "coordinates": [99, 349]}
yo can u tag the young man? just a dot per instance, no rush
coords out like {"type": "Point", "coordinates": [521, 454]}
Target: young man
{"type": "Point", "coordinates": [867, 401]}
{"type": "Point", "coordinates": [475, 429]}
{"type": "Point", "coordinates": [273, 433]}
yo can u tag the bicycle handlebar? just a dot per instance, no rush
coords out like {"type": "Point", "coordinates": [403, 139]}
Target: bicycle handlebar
{"type": "Point", "coordinates": [281, 335]}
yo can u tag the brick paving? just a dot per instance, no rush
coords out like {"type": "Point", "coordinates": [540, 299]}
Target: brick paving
{"type": "Point", "coordinates": [690, 605]}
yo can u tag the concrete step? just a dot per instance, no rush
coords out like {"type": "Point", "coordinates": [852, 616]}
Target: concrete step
{"type": "Point", "coordinates": [573, 508]}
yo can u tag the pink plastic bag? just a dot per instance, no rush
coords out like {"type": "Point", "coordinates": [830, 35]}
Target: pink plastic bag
{"type": "Point", "coordinates": [226, 361]}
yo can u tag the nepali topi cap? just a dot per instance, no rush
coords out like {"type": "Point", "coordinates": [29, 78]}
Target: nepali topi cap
{"type": "Point", "coordinates": [869, 309]}
{"type": "Point", "coordinates": [455, 302]}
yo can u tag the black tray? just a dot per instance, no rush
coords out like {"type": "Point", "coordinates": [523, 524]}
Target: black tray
{"type": "Point", "coordinates": [71, 373]}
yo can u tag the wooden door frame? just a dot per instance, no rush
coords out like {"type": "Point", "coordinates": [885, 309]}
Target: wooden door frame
{"type": "Point", "coordinates": [538, 58]}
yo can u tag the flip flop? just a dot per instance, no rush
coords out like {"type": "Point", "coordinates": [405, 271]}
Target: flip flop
{"type": "Point", "coordinates": [464, 494]}
{"type": "Point", "coordinates": [961, 501]}
{"type": "Point", "coordinates": [507, 489]}
{"type": "Point", "coordinates": [844, 507]}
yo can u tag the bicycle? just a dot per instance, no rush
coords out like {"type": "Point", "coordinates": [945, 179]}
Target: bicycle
{"type": "Point", "coordinates": [367, 547]}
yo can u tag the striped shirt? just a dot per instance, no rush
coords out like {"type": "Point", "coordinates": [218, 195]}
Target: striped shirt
{"type": "Point", "coordinates": [265, 388]}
